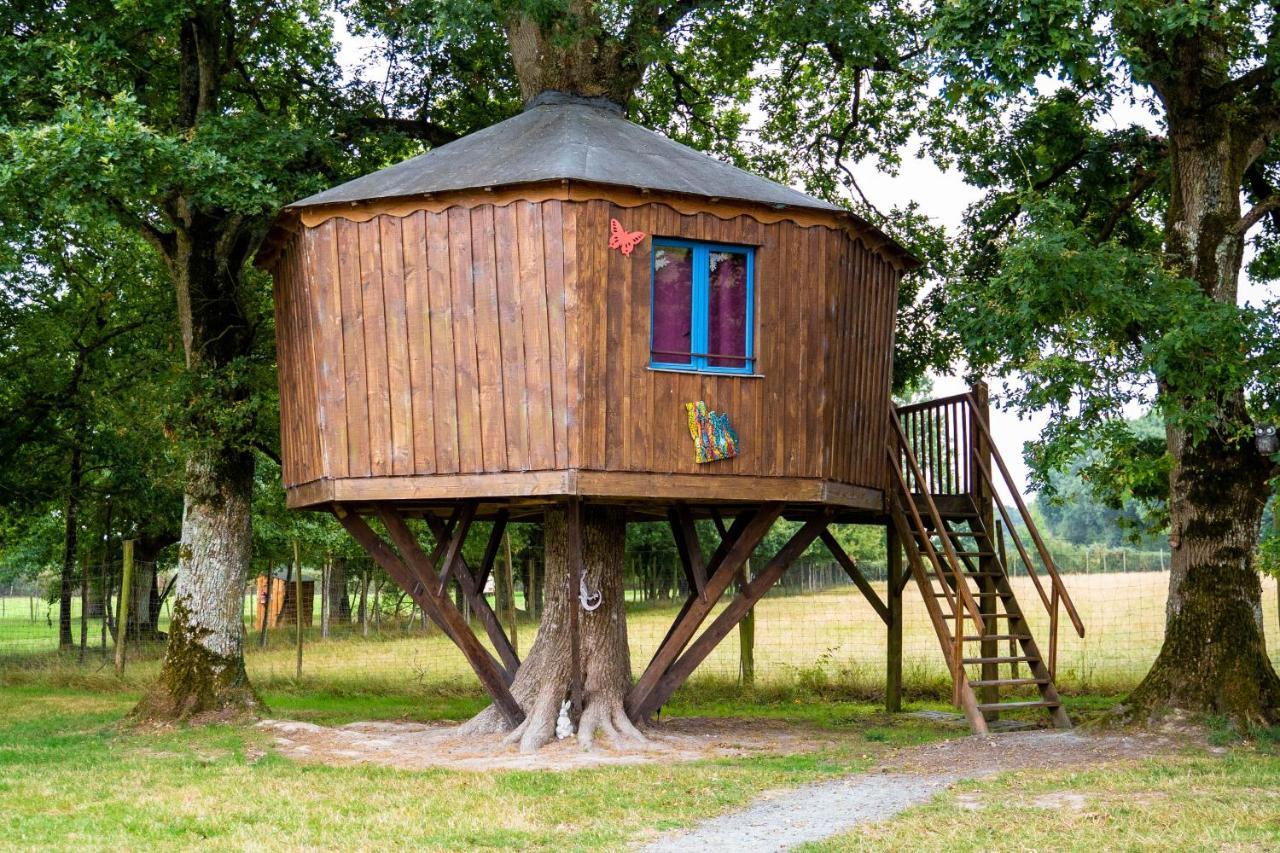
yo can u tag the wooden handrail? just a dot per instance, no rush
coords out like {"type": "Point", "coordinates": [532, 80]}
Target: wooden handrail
{"type": "Point", "coordinates": [929, 404]}
{"type": "Point", "coordinates": [1049, 565]}
{"type": "Point", "coordinates": [934, 515]}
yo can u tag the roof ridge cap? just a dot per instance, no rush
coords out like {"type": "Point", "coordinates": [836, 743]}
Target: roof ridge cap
{"type": "Point", "coordinates": [558, 97]}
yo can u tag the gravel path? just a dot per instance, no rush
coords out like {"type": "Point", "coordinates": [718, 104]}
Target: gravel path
{"type": "Point", "coordinates": [783, 819]}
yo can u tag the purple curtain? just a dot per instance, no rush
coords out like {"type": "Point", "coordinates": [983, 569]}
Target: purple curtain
{"type": "Point", "coordinates": [672, 304]}
{"type": "Point", "coordinates": [727, 311]}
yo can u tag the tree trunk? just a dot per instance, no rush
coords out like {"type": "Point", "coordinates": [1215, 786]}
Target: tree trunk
{"type": "Point", "coordinates": [542, 684]}
{"type": "Point", "coordinates": [1214, 658]}
{"type": "Point", "coordinates": [203, 673]}
{"type": "Point", "coordinates": [70, 539]}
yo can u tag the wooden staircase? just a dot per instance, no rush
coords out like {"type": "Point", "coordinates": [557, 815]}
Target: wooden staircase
{"type": "Point", "coordinates": [943, 509]}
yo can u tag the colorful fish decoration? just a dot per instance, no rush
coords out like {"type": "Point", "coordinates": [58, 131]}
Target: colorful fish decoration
{"type": "Point", "coordinates": [713, 437]}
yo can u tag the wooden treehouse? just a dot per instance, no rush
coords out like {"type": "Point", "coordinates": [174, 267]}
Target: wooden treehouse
{"type": "Point", "coordinates": [530, 317]}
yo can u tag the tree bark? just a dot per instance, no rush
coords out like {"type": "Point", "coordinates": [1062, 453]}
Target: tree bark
{"type": "Point", "coordinates": [543, 681]}
{"type": "Point", "coordinates": [203, 674]}
{"type": "Point", "coordinates": [1214, 658]}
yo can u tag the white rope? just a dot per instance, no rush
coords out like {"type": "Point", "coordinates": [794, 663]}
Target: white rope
{"type": "Point", "coordinates": [590, 600]}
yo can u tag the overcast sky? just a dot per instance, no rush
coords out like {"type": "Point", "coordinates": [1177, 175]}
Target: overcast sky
{"type": "Point", "coordinates": [943, 196]}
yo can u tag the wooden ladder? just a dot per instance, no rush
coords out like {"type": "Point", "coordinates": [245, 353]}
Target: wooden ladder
{"type": "Point", "coordinates": [945, 522]}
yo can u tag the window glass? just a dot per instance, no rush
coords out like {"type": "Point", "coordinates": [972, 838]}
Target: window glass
{"type": "Point", "coordinates": [727, 309]}
{"type": "Point", "coordinates": [672, 305]}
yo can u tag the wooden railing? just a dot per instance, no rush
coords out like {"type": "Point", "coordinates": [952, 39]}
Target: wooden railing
{"type": "Point", "coordinates": [946, 450]}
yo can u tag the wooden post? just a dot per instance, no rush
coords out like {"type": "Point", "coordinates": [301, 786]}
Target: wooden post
{"type": "Point", "coordinates": [576, 569]}
{"type": "Point", "coordinates": [297, 603]}
{"type": "Point", "coordinates": [122, 615]}
{"type": "Point", "coordinates": [746, 633]}
{"type": "Point", "coordinates": [893, 673]}
{"type": "Point", "coordinates": [326, 574]}
{"type": "Point", "coordinates": [984, 498]}
{"type": "Point", "coordinates": [509, 583]}
{"type": "Point", "coordinates": [84, 605]}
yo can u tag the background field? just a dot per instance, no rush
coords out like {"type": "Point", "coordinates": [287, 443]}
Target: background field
{"type": "Point", "coordinates": [828, 640]}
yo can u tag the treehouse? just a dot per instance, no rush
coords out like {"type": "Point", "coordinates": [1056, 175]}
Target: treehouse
{"type": "Point", "coordinates": [565, 310]}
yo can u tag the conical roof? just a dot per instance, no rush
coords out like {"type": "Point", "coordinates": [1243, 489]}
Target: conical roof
{"type": "Point", "coordinates": [565, 137]}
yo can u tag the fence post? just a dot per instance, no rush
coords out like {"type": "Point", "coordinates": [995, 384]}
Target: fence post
{"type": "Point", "coordinates": [893, 591]}
{"type": "Point", "coordinates": [84, 605]}
{"type": "Point", "coordinates": [509, 584]}
{"type": "Point", "coordinates": [122, 613]}
{"type": "Point", "coordinates": [297, 602]}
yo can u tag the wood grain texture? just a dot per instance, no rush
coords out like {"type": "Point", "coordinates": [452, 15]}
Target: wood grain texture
{"type": "Point", "coordinates": [510, 338]}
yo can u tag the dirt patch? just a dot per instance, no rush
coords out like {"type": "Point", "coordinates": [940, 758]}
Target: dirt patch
{"type": "Point", "coordinates": [415, 746]}
{"type": "Point", "coordinates": [983, 755]}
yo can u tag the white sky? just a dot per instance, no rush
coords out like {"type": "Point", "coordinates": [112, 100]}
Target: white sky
{"type": "Point", "coordinates": [943, 196]}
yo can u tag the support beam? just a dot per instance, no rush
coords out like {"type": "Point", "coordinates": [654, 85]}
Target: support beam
{"type": "Point", "coordinates": [745, 534]}
{"type": "Point", "coordinates": [688, 547]}
{"type": "Point", "coordinates": [474, 593]}
{"type": "Point", "coordinates": [893, 663]}
{"type": "Point", "coordinates": [458, 536]}
{"type": "Point", "coordinates": [491, 676]}
{"type": "Point", "coordinates": [733, 613]}
{"type": "Point", "coordinates": [491, 549]}
{"type": "Point", "coordinates": [574, 557]}
{"type": "Point", "coordinates": [851, 569]}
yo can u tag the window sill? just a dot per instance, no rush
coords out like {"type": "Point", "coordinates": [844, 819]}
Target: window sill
{"type": "Point", "coordinates": [694, 372]}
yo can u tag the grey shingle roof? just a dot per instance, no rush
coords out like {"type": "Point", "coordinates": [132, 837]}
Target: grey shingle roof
{"type": "Point", "coordinates": [563, 137]}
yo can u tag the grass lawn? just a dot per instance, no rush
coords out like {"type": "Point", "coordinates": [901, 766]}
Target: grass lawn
{"type": "Point", "coordinates": [1194, 802]}
{"type": "Point", "coordinates": [70, 776]}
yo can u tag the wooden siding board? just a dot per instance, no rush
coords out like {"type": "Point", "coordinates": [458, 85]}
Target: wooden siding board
{"type": "Point", "coordinates": [537, 346]}
{"type": "Point", "coordinates": [553, 253]}
{"type": "Point", "coordinates": [354, 368]}
{"type": "Point", "coordinates": [418, 330]}
{"type": "Point", "coordinates": [323, 260]}
{"type": "Point", "coordinates": [375, 348]}
{"type": "Point", "coordinates": [514, 378]}
{"type": "Point", "coordinates": [493, 417]}
{"type": "Point", "coordinates": [444, 389]}
{"type": "Point", "coordinates": [573, 324]}
{"type": "Point", "coordinates": [466, 383]}
{"type": "Point", "coordinates": [399, 380]}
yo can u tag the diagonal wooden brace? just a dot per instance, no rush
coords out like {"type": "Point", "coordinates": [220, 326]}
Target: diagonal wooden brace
{"type": "Point", "coordinates": [455, 540]}
{"type": "Point", "coordinates": [490, 674]}
{"type": "Point", "coordinates": [851, 569]}
{"type": "Point", "coordinates": [474, 592]}
{"type": "Point", "coordinates": [733, 613]}
{"type": "Point", "coordinates": [686, 537]}
{"type": "Point", "coordinates": [734, 551]}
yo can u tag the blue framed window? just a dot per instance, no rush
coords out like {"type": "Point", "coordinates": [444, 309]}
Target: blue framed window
{"type": "Point", "coordinates": [703, 307]}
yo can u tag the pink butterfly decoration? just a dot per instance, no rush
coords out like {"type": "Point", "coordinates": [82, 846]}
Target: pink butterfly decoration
{"type": "Point", "coordinates": [621, 238]}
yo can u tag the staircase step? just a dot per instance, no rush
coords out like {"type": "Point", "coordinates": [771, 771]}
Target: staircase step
{"type": "Point", "coordinates": [977, 637]}
{"type": "Point", "coordinates": [1014, 706]}
{"type": "Point", "coordinates": [980, 594]}
{"type": "Point", "coordinates": [1006, 682]}
{"type": "Point", "coordinates": [1013, 659]}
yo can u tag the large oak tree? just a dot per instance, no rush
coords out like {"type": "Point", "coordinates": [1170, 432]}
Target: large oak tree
{"type": "Point", "coordinates": [1104, 265]}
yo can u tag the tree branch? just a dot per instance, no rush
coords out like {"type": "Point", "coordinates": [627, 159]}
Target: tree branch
{"type": "Point", "coordinates": [1256, 213]}
{"type": "Point", "coordinates": [427, 131]}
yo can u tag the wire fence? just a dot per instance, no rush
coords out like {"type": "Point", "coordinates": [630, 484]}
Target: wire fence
{"type": "Point", "coordinates": [815, 630]}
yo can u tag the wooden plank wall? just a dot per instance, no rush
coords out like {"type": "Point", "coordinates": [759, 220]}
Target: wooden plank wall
{"type": "Point", "coordinates": [824, 336]}
{"type": "Point", "coordinates": [446, 342]}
